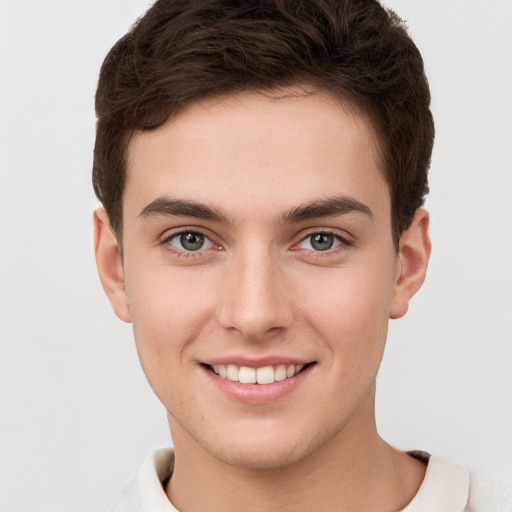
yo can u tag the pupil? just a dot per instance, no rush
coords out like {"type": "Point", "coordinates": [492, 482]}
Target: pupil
{"type": "Point", "coordinates": [192, 241]}
{"type": "Point", "coordinates": [322, 241]}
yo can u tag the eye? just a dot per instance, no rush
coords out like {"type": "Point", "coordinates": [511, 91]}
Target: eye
{"type": "Point", "coordinates": [321, 241]}
{"type": "Point", "coordinates": [189, 241]}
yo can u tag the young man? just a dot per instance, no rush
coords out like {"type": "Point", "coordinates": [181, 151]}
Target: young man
{"type": "Point", "coordinates": [262, 167]}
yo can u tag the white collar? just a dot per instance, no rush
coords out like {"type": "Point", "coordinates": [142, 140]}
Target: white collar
{"type": "Point", "coordinates": [445, 488]}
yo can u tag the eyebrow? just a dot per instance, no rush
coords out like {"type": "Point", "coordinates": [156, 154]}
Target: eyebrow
{"type": "Point", "coordinates": [183, 207]}
{"type": "Point", "coordinates": [329, 207]}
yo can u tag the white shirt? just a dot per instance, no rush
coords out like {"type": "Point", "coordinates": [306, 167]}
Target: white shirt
{"type": "Point", "coordinates": [447, 487]}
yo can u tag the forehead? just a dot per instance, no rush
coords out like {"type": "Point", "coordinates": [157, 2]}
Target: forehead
{"type": "Point", "coordinates": [256, 149]}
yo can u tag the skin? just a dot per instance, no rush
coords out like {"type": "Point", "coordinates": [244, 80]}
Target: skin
{"type": "Point", "coordinates": [259, 289]}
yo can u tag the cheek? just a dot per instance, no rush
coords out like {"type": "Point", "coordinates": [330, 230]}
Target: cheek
{"type": "Point", "coordinates": [169, 310]}
{"type": "Point", "coordinates": [167, 300]}
{"type": "Point", "coordinates": [352, 311]}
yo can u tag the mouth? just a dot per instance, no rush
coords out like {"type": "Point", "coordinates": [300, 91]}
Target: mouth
{"type": "Point", "coordinates": [263, 375]}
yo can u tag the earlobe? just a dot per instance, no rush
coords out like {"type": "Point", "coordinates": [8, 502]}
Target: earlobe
{"type": "Point", "coordinates": [414, 254]}
{"type": "Point", "coordinates": [108, 261]}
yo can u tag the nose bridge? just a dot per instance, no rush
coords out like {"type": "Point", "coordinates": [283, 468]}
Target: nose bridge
{"type": "Point", "coordinates": [255, 300]}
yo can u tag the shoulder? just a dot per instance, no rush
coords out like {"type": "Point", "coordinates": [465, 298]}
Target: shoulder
{"type": "Point", "coordinates": [490, 490]}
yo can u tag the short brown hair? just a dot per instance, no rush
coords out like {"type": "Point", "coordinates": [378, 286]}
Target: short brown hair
{"type": "Point", "coordinates": [182, 51]}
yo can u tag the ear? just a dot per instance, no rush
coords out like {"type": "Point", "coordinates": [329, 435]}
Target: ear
{"type": "Point", "coordinates": [413, 257]}
{"type": "Point", "coordinates": [110, 267]}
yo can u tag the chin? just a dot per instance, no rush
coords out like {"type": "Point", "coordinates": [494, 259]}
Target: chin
{"type": "Point", "coordinates": [260, 457]}
{"type": "Point", "coordinates": [264, 449]}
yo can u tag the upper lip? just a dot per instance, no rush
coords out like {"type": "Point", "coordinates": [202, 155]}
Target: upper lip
{"type": "Point", "coordinates": [251, 362]}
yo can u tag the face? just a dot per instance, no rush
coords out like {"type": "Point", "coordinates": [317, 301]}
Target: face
{"type": "Point", "coordinates": [260, 274]}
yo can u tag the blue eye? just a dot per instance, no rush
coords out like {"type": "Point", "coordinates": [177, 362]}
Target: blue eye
{"type": "Point", "coordinates": [320, 242]}
{"type": "Point", "coordinates": [190, 241]}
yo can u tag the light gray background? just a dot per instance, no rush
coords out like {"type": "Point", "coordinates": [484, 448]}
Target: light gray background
{"type": "Point", "coordinates": [76, 415]}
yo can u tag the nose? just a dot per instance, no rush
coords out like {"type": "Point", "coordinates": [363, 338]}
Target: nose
{"type": "Point", "coordinates": [255, 300]}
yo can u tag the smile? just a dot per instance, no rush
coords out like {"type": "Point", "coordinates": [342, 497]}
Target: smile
{"type": "Point", "coordinates": [263, 375]}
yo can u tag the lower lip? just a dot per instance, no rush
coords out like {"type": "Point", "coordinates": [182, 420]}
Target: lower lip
{"type": "Point", "coordinates": [258, 393]}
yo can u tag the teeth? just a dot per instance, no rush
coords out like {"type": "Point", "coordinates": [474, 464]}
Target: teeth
{"type": "Point", "coordinates": [247, 375]}
{"type": "Point", "coordinates": [263, 375]}
{"type": "Point", "coordinates": [280, 373]}
{"type": "Point", "coordinates": [232, 372]}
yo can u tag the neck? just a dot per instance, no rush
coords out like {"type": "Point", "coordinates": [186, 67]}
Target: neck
{"type": "Point", "coordinates": [355, 471]}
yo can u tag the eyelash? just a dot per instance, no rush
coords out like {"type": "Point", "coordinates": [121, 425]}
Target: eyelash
{"type": "Point", "coordinates": [344, 244]}
{"type": "Point", "coordinates": [166, 242]}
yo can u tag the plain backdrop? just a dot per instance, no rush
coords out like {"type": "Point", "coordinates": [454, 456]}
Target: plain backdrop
{"type": "Point", "coordinates": [76, 414]}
